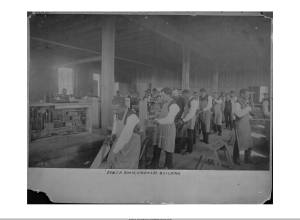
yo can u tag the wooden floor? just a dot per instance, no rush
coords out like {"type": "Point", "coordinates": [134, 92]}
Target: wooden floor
{"type": "Point", "coordinates": [68, 151]}
{"type": "Point", "coordinates": [79, 151]}
{"type": "Point", "coordinates": [260, 156]}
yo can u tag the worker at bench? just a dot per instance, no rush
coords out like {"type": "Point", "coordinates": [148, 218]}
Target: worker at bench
{"type": "Point", "coordinates": [125, 151]}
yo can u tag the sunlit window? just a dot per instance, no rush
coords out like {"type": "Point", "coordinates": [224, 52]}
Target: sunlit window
{"type": "Point", "coordinates": [96, 78]}
{"type": "Point", "coordinates": [66, 80]}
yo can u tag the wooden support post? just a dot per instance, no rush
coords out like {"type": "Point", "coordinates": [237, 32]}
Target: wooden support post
{"type": "Point", "coordinates": [215, 80]}
{"type": "Point", "coordinates": [185, 68]}
{"type": "Point", "coordinates": [107, 71]}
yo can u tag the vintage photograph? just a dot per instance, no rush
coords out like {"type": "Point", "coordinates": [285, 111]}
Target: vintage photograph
{"type": "Point", "coordinates": [150, 91]}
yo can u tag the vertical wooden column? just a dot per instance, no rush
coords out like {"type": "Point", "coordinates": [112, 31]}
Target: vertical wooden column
{"type": "Point", "coordinates": [185, 83]}
{"type": "Point", "coordinates": [215, 81]}
{"type": "Point", "coordinates": [107, 71]}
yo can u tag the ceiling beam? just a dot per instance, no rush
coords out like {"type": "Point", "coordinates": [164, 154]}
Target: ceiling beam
{"type": "Point", "coordinates": [64, 45]}
{"type": "Point", "coordinates": [166, 30]}
{"type": "Point", "coordinates": [95, 58]}
{"type": "Point", "coordinates": [98, 58]}
{"type": "Point", "coordinates": [82, 61]}
{"type": "Point", "coordinates": [85, 60]}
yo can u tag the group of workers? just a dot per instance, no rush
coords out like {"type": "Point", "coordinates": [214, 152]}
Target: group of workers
{"type": "Point", "coordinates": [178, 117]}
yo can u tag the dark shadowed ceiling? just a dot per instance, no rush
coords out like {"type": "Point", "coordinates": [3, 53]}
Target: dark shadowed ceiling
{"type": "Point", "coordinates": [223, 42]}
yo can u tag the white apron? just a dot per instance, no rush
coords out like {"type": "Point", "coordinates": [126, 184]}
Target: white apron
{"type": "Point", "coordinates": [166, 132]}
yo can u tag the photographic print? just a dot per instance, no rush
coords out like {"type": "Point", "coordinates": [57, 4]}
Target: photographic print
{"type": "Point", "coordinates": [168, 100]}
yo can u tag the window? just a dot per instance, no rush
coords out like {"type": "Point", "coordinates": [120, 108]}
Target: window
{"type": "Point", "coordinates": [66, 80]}
{"type": "Point", "coordinates": [96, 84]}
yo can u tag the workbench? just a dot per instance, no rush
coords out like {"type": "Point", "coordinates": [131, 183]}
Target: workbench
{"type": "Point", "coordinates": [48, 119]}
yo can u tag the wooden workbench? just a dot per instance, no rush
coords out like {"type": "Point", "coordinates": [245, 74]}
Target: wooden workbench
{"type": "Point", "coordinates": [47, 125]}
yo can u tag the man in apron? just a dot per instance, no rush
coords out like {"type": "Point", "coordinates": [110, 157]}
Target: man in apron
{"type": "Point", "coordinates": [181, 101]}
{"type": "Point", "coordinates": [205, 101]}
{"type": "Point", "coordinates": [228, 112]}
{"type": "Point", "coordinates": [155, 111]}
{"type": "Point", "coordinates": [123, 145]}
{"type": "Point", "coordinates": [166, 129]}
{"type": "Point", "coordinates": [189, 119]}
{"type": "Point", "coordinates": [143, 113]}
{"type": "Point", "coordinates": [242, 127]}
{"type": "Point", "coordinates": [125, 152]}
{"type": "Point", "coordinates": [217, 108]}
{"type": "Point", "coordinates": [266, 107]}
{"type": "Point", "coordinates": [233, 99]}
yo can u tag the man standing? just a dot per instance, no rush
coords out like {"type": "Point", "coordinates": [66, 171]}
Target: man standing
{"type": "Point", "coordinates": [218, 113]}
{"type": "Point", "coordinates": [180, 101]}
{"type": "Point", "coordinates": [242, 125]}
{"type": "Point", "coordinates": [228, 112]}
{"type": "Point", "coordinates": [189, 119]}
{"type": "Point", "coordinates": [123, 145]}
{"type": "Point", "coordinates": [125, 151]}
{"type": "Point", "coordinates": [266, 111]}
{"type": "Point", "coordinates": [233, 99]}
{"type": "Point", "coordinates": [166, 129]}
{"type": "Point", "coordinates": [266, 105]}
{"type": "Point", "coordinates": [205, 114]}
{"type": "Point", "coordinates": [64, 97]}
{"type": "Point", "coordinates": [154, 112]}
